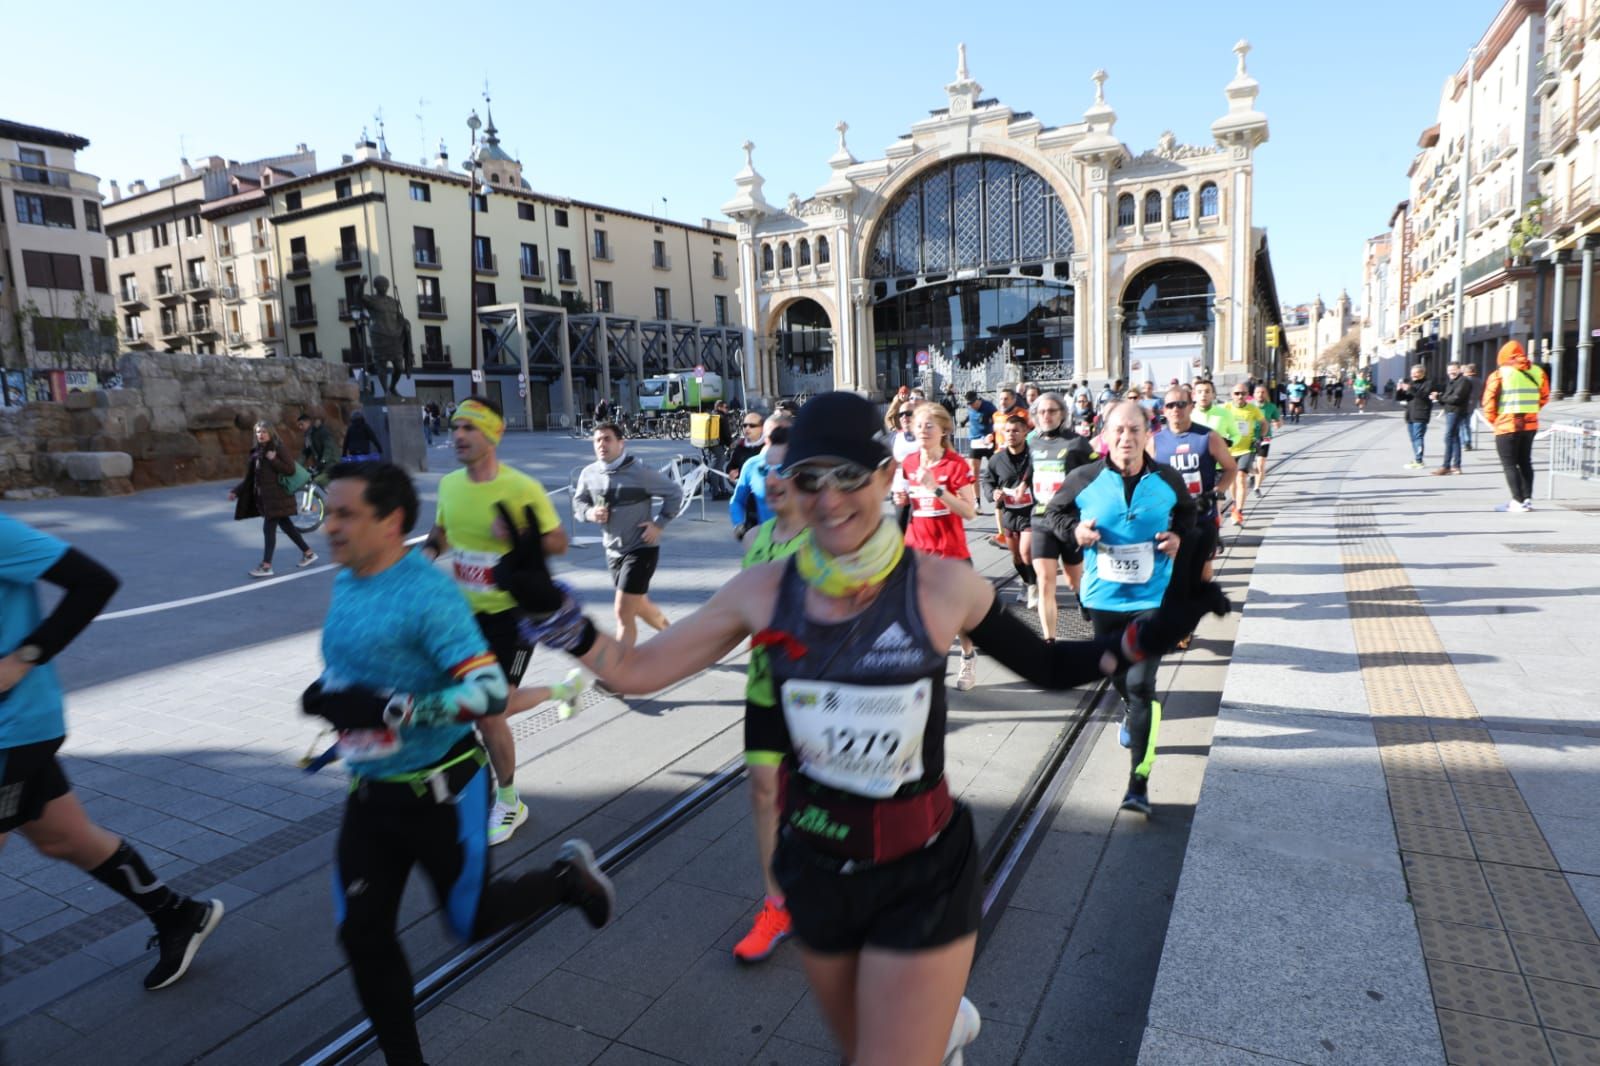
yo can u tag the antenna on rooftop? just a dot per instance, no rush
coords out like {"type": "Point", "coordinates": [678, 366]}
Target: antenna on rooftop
{"type": "Point", "coordinates": [422, 130]}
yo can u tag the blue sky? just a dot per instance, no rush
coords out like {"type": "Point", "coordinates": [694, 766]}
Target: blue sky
{"type": "Point", "coordinates": [649, 101]}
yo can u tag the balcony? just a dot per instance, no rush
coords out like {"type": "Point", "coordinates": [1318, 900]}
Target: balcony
{"type": "Point", "coordinates": [171, 327]}
{"type": "Point", "coordinates": [721, 273]}
{"type": "Point", "coordinates": [349, 357]}
{"type": "Point", "coordinates": [532, 270]}
{"type": "Point", "coordinates": [224, 249]}
{"type": "Point", "coordinates": [258, 242]}
{"type": "Point", "coordinates": [267, 287]}
{"type": "Point", "coordinates": [236, 339]}
{"type": "Point", "coordinates": [193, 285]}
{"type": "Point", "coordinates": [230, 294]}
{"type": "Point", "coordinates": [346, 312]}
{"type": "Point", "coordinates": [661, 261]}
{"type": "Point", "coordinates": [133, 338]}
{"type": "Point", "coordinates": [303, 314]}
{"type": "Point", "coordinates": [430, 307]}
{"type": "Point", "coordinates": [166, 288]}
{"type": "Point", "coordinates": [436, 358]}
{"type": "Point", "coordinates": [1492, 263]}
{"type": "Point", "coordinates": [299, 266]}
{"type": "Point", "coordinates": [40, 174]}
{"type": "Point", "coordinates": [200, 323]}
{"type": "Point", "coordinates": [486, 264]}
{"type": "Point", "coordinates": [349, 258]}
{"type": "Point", "coordinates": [130, 298]}
{"type": "Point", "coordinates": [1547, 72]}
{"type": "Point", "coordinates": [425, 256]}
{"type": "Point", "coordinates": [566, 276]}
{"type": "Point", "coordinates": [1571, 46]}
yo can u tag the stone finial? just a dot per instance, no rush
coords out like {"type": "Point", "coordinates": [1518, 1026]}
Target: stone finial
{"type": "Point", "coordinates": [842, 127]}
{"type": "Point", "coordinates": [961, 62]}
{"type": "Point", "coordinates": [963, 92]}
{"type": "Point", "coordinates": [1241, 50]}
{"type": "Point", "coordinates": [747, 202]}
{"type": "Point", "coordinates": [1099, 80]}
{"type": "Point", "coordinates": [749, 147]}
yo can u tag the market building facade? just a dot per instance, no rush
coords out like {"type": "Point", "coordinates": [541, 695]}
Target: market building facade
{"type": "Point", "coordinates": [985, 246]}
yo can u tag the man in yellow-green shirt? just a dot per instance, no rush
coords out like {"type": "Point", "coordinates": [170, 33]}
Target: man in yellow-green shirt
{"type": "Point", "coordinates": [468, 527]}
{"type": "Point", "coordinates": [1248, 426]}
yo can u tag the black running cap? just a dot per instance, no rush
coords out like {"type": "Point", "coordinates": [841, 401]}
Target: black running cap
{"type": "Point", "coordinates": [836, 425]}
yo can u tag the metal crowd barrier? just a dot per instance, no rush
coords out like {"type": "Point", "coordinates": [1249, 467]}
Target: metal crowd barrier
{"type": "Point", "coordinates": [1574, 452]}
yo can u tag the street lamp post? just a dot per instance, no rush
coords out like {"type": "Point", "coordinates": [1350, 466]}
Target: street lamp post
{"type": "Point", "coordinates": [473, 124]}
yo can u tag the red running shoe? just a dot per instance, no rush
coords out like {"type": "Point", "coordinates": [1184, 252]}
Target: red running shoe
{"type": "Point", "coordinates": [771, 929]}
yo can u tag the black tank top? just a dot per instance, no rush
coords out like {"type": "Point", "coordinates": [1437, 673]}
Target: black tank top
{"type": "Point", "coordinates": [865, 702]}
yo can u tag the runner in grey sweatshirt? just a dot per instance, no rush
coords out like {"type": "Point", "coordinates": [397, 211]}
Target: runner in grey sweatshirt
{"type": "Point", "coordinates": [619, 491]}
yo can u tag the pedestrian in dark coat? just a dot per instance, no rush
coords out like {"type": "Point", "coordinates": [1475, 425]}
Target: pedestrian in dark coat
{"type": "Point", "coordinates": [261, 495]}
{"type": "Point", "coordinates": [359, 438]}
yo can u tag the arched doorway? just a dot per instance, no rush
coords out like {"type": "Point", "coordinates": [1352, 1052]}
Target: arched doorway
{"type": "Point", "coordinates": [971, 263]}
{"type": "Point", "coordinates": [1168, 323]}
{"type": "Point", "coordinates": [805, 349]}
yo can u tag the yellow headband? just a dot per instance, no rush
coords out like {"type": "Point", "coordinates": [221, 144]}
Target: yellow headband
{"type": "Point", "coordinates": [478, 414]}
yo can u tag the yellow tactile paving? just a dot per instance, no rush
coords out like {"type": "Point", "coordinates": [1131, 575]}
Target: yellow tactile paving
{"type": "Point", "coordinates": [1513, 960]}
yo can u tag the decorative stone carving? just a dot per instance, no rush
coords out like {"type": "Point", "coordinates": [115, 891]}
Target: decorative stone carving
{"type": "Point", "coordinates": [1167, 147]}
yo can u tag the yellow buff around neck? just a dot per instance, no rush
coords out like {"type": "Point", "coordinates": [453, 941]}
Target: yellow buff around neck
{"type": "Point", "coordinates": [841, 575]}
{"type": "Point", "coordinates": [489, 424]}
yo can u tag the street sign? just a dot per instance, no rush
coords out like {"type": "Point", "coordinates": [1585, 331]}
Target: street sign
{"type": "Point", "coordinates": [477, 376]}
{"type": "Point", "coordinates": [922, 357]}
{"type": "Point", "coordinates": [522, 379]}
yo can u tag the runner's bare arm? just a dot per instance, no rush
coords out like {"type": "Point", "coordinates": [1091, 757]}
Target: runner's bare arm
{"type": "Point", "coordinates": [697, 642]}
{"type": "Point", "coordinates": [436, 543]}
{"type": "Point", "coordinates": [1224, 458]}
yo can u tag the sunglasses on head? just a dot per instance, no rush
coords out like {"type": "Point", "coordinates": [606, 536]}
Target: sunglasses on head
{"type": "Point", "coordinates": [1177, 405]}
{"type": "Point", "coordinates": [813, 478]}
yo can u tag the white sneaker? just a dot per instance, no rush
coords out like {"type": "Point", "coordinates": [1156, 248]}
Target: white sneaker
{"type": "Point", "coordinates": [1033, 597]}
{"type": "Point", "coordinates": [566, 693]}
{"type": "Point", "coordinates": [965, 1030]}
{"type": "Point", "coordinates": [504, 820]}
{"type": "Point", "coordinates": [1513, 507]}
{"type": "Point", "coordinates": [1527, 505]}
{"type": "Point", "coordinates": [967, 676]}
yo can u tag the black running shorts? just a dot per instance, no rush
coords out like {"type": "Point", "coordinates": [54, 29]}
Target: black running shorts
{"type": "Point", "coordinates": [30, 777]}
{"type": "Point", "coordinates": [1264, 447]}
{"type": "Point", "coordinates": [1046, 545]}
{"type": "Point", "coordinates": [1015, 521]}
{"type": "Point", "coordinates": [924, 900]}
{"type": "Point", "coordinates": [505, 641]}
{"type": "Point", "coordinates": [631, 573]}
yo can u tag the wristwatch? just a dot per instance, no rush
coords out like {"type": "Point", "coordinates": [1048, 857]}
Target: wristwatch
{"type": "Point", "coordinates": [30, 654]}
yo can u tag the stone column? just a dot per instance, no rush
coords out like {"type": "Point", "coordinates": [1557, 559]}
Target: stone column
{"type": "Point", "coordinates": [1585, 326]}
{"type": "Point", "coordinates": [1558, 322]}
{"type": "Point", "coordinates": [1536, 344]}
{"type": "Point", "coordinates": [1100, 258]}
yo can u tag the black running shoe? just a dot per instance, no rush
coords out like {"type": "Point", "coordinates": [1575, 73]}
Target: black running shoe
{"type": "Point", "coordinates": [584, 884]}
{"type": "Point", "coordinates": [179, 938]}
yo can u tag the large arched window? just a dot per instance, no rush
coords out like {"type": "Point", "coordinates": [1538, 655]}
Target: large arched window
{"type": "Point", "coordinates": [1126, 209]}
{"type": "Point", "coordinates": [1208, 200]}
{"type": "Point", "coordinates": [1152, 208]}
{"type": "Point", "coordinates": [766, 259]}
{"type": "Point", "coordinates": [804, 252]}
{"type": "Point", "coordinates": [785, 256]}
{"type": "Point", "coordinates": [970, 212]}
{"type": "Point", "coordinates": [1170, 297]}
{"type": "Point", "coordinates": [822, 250]}
{"type": "Point", "coordinates": [1180, 204]}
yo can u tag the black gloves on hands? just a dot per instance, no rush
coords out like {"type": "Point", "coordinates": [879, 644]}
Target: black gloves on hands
{"type": "Point", "coordinates": [522, 571]}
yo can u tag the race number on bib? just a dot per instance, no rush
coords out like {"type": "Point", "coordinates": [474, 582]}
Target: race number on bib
{"type": "Point", "coordinates": [864, 739]}
{"type": "Point", "coordinates": [475, 570]}
{"type": "Point", "coordinates": [1125, 564]}
{"type": "Point", "coordinates": [925, 504]}
{"type": "Point", "coordinates": [364, 745]}
{"type": "Point", "coordinates": [1193, 482]}
{"type": "Point", "coordinates": [1017, 496]}
{"type": "Point", "coordinates": [1045, 485]}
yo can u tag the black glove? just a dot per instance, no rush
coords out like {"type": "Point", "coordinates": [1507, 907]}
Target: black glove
{"type": "Point", "coordinates": [522, 571]}
{"type": "Point", "coordinates": [348, 708]}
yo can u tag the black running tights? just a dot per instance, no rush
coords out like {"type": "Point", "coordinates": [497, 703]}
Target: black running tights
{"type": "Point", "coordinates": [269, 531]}
{"type": "Point", "coordinates": [387, 829]}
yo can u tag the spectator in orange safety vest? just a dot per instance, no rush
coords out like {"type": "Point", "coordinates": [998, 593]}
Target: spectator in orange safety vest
{"type": "Point", "coordinates": [1512, 397]}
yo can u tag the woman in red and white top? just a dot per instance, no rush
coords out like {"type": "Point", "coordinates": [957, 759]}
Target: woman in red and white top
{"type": "Point", "coordinates": [938, 485]}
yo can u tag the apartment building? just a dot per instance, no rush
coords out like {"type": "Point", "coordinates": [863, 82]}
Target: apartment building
{"type": "Point", "coordinates": [1486, 132]}
{"type": "Point", "coordinates": [1311, 329]}
{"type": "Point", "coordinates": [55, 294]}
{"type": "Point", "coordinates": [1567, 87]}
{"type": "Point", "coordinates": [448, 249]}
{"type": "Point", "coordinates": [191, 259]}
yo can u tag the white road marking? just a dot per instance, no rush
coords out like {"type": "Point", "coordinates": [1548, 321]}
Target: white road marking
{"type": "Point", "coordinates": [239, 590]}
